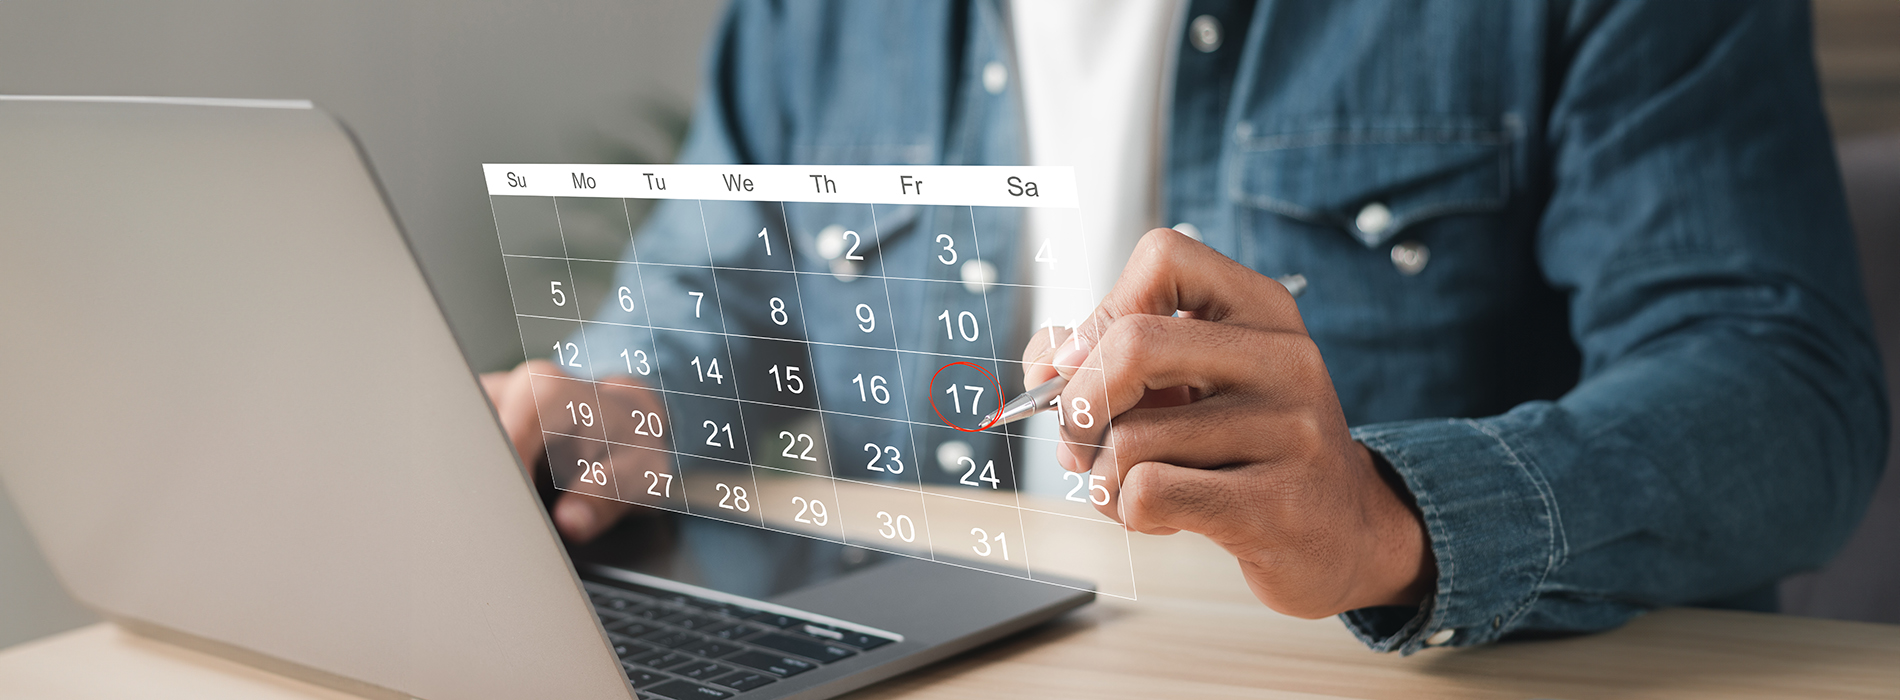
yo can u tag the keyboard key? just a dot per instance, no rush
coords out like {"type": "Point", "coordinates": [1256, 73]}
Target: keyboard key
{"type": "Point", "coordinates": [736, 630]}
{"type": "Point", "coordinates": [827, 633]}
{"type": "Point", "coordinates": [661, 659]}
{"type": "Point", "coordinates": [626, 646]}
{"type": "Point", "coordinates": [772, 663]}
{"type": "Point", "coordinates": [703, 670]}
{"type": "Point", "coordinates": [722, 608]}
{"type": "Point", "coordinates": [712, 649]}
{"type": "Point", "coordinates": [671, 639]}
{"type": "Point", "coordinates": [675, 599]}
{"type": "Point", "coordinates": [650, 612]}
{"type": "Point", "coordinates": [599, 591]}
{"type": "Point", "coordinates": [803, 646]}
{"type": "Point", "coordinates": [640, 677]}
{"type": "Point", "coordinates": [634, 589]}
{"type": "Point", "coordinates": [691, 621]}
{"type": "Point", "coordinates": [688, 690]}
{"type": "Point", "coordinates": [633, 628]}
{"type": "Point", "coordinates": [777, 620]}
{"type": "Point", "coordinates": [743, 680]}
{"type": "Point", "coordinates": [865, 642]}
{"type": "Point", "coordinates": [616, 603]}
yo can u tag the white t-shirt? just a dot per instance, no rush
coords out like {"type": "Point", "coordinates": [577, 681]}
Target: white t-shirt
{"type": "Point", "coordinates": [1094, 75]}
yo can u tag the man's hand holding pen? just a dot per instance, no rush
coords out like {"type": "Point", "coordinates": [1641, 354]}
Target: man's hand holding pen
{"type": "Point", "coordinates": [1225, 423]}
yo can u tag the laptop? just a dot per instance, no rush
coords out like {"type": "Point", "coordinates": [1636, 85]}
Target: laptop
{"type": "Point", "coordinates": [236, 419]}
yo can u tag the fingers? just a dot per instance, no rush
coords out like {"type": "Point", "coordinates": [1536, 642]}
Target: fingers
{"type": "Point", "coordinates": [1141, 356]}
{"type": "Point", "coordinates": [578, 516]}
{"type": "Point", "coordinates": [1159, 498]}
{"type": "Point", "coordinates": [1039, 356]}
{"type": "Point", "coordinates": [512, 393]}
{"type": "Point", "coordinates": [581, 517]}
{"type": "Point", "coordinates": [1202, 435]}
{"type": "Point", "coordinates": [1170, 273]}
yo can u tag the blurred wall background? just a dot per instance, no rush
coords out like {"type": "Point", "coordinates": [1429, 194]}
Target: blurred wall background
{"type": "Point", "coordinates": [434, 88]}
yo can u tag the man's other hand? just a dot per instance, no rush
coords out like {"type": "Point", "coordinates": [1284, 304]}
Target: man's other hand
{"type": "Point", "coordinates": [1226, 424]}
{"type": "Point", "coordinates": [579, 517]}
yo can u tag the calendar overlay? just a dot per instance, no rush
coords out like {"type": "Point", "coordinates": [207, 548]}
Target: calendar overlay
{"type": "Point", "coordinates": [760, 355]}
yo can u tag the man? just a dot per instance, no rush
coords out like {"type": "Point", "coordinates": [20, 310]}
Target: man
{"type": "Point", "coordinates": [1581, 278]}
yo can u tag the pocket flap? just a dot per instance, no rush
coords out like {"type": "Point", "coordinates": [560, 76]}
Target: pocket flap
{"type": "Point", "coordinates": [1335, 178]}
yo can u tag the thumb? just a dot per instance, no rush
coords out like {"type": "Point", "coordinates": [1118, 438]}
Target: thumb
{"type": "Point", "coordinates": [1039, 357]}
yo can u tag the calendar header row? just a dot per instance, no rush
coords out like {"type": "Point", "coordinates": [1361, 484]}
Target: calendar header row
{"type": "Point", "coordinates": [965, 185]}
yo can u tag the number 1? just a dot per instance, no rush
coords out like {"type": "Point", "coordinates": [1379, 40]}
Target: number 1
{"type": "Point", "coordinates": [573, 358]}
{"type": "Point", "coordinates": [975, 397]}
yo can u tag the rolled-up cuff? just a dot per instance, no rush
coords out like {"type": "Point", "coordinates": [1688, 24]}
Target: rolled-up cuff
{"type": "Point", "coordinates": [1493, 526]}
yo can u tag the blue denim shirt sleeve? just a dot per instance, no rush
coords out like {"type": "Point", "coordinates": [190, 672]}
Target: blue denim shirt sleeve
{"type": "Point", "coordinates": [1729, 424]}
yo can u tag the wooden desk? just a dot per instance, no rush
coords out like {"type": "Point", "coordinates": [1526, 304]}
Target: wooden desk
{"type": "Point", "coordinates": [1196, 632]}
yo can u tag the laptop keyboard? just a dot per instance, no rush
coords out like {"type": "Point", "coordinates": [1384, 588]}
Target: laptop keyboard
{"type": "Point", "coordinates": [681, 647]}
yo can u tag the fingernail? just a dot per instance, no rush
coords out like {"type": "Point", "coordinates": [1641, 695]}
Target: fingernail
{"type": "Point", "coordinates": [1073, 353]}
{"type": "Point", "coordinates": [1045, 357]}
{"type": "Point", "coordinates": [574, 517]}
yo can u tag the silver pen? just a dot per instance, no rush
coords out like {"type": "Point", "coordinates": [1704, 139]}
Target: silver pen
{"type": "Point", "coordinates": [1039, 398]}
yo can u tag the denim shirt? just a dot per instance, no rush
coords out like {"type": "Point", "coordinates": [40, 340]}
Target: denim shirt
{"type": "Point", "coordinates": [1620, 358]}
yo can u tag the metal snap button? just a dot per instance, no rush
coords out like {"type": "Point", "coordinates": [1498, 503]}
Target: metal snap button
{"type": "Point", "coordinates": [831, 242]}
{"type": "Point", "coordinates": [1189, 230]}
{"type": "Point", "coordinates": [844, 270]}
{"type": "Point", "coordinates": [951, 453]}
{"type": "Point", "coordinates": [1410, 257]}
{"type": "Point", "coordinates": [1373, 219]}
{"type": "Point", "coordinates": [1204, 33]}
{"type": "Point", "coordinates": [1440, 637]}
{"type": "Point", "coordinates": [977, 276]}
{"type": "Point", "coordinates": [995, 77]}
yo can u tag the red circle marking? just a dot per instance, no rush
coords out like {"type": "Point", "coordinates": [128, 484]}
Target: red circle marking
{"type": "Point", "coordinates": [998, 415]}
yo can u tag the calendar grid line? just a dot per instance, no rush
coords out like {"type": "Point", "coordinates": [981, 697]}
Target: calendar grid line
{"type": "Point", "coordinates": [903, 383]}
{"type": "Point", "coordinates": [640, 277]}
{"type": "Point", "coordinates": [891, 551]}
{"type": "Point", "coordinates": [1015, 473]}
{"type": "Point", "coordinates": [974, 358]}
{"type": "Point", "coordinates": [1108, 436]}
{"type": "Point", "coordinates": [562, 231]}
{"type": "Point", "coordinates": [817, 396]}
{"type": "Point", "coordinates": [757, 402]}
{"type": "Point", "coordinates": [783, 470]}
{"type": "Point", "coordinates": [727, 268]}
{"type": "Point", "coordinates": [721, 303]}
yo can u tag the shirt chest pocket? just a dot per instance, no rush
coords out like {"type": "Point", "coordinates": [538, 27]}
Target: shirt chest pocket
{"type": "Point", "coordinates": [1373, 183]}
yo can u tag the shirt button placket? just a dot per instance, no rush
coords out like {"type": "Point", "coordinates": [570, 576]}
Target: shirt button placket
{"type": "Point", "coordinates": [977, 276]}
